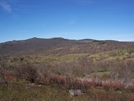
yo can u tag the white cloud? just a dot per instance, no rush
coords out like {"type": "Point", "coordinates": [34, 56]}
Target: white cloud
{"type": "Point", "coordinates": [6, 6]}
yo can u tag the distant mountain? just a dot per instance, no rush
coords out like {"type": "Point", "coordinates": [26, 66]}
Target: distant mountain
{"type": "Point", "coordinates": [86, 40]}
{"type": "Point", "coordinates": [12, 47]}
{"type": "Point", "coordinates": [60, 46]}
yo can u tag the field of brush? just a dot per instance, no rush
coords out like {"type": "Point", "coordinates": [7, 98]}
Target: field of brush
{"type": "Point", "coordinates": [22, 91]}
{"type": "Point", "coordinates": [93, 71]}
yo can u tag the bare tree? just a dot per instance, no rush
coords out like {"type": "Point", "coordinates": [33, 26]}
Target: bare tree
{"type": "Point", "coordinates": [2, 69]}
{"type": "Point", "coordinates": [27, 71]}
{"type": "Point", "coordinates": [6, 75]}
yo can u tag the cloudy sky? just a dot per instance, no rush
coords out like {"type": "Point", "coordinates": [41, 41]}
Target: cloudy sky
{"type": "Point", "coordinates": [72, 19]}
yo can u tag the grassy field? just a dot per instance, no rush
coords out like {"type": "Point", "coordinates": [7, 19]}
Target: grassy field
{"type": "Point", "coordinates": [21, 91]}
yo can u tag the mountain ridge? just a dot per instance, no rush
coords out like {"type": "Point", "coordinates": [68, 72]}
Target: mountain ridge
{"type": "Point", "coordinates": [67, 46]}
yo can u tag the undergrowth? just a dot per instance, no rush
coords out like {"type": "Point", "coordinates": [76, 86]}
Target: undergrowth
{"type": "Point", "coordinates": [23, 92]}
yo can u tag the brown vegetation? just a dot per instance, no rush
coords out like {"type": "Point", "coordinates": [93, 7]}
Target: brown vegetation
{"type": "Point", "coordinates": [82, 65]}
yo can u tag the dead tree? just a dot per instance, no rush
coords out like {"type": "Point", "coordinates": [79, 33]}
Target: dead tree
{"type": "Point", "coordinates": [27, 72]}
{"type": "Point", "coordinates": [2, 70]}
{"type": "Point", "coordinates": [6, 76]}
{"type": "Point", "coordinates": [9, 80]}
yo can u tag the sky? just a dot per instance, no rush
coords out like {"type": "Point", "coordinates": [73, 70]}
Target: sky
{"type": "Point", "coordinates": [71, 19]}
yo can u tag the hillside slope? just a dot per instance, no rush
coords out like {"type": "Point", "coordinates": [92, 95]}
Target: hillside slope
{"type": "Point", "coordinates": [61, 46]}
{"type": "Point", "coordinates": [33, 44]}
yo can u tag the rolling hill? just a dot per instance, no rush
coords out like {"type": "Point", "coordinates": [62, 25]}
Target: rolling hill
{"type": "Point", "coordinates": [58, 64]}
{"type": "Point", "coordinates": [61, 46]}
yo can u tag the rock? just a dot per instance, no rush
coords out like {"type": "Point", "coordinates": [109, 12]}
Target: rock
{"type": "Point", "coordinates": [31, 84]}
{"type": "Point", "coordinates": [119, 92]}
{"type": "Point", "coordinates": [39, 85]}
{"type": "Point", "coordinates": [75, 92]}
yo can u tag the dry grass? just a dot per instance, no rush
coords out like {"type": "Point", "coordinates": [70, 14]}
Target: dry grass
{"type": "Point", "coordinates": [22, 92]}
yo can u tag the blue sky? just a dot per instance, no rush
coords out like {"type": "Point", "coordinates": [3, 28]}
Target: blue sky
{"type": "Point", "coordinates": [72, 19]}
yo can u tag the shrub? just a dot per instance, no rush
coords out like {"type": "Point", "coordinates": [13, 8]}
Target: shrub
{"type": "Point", "coordinates": [27, 72]}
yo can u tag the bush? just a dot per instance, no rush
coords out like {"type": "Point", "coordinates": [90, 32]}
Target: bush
{"type": "Point", "coordinates": [27, 72]}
